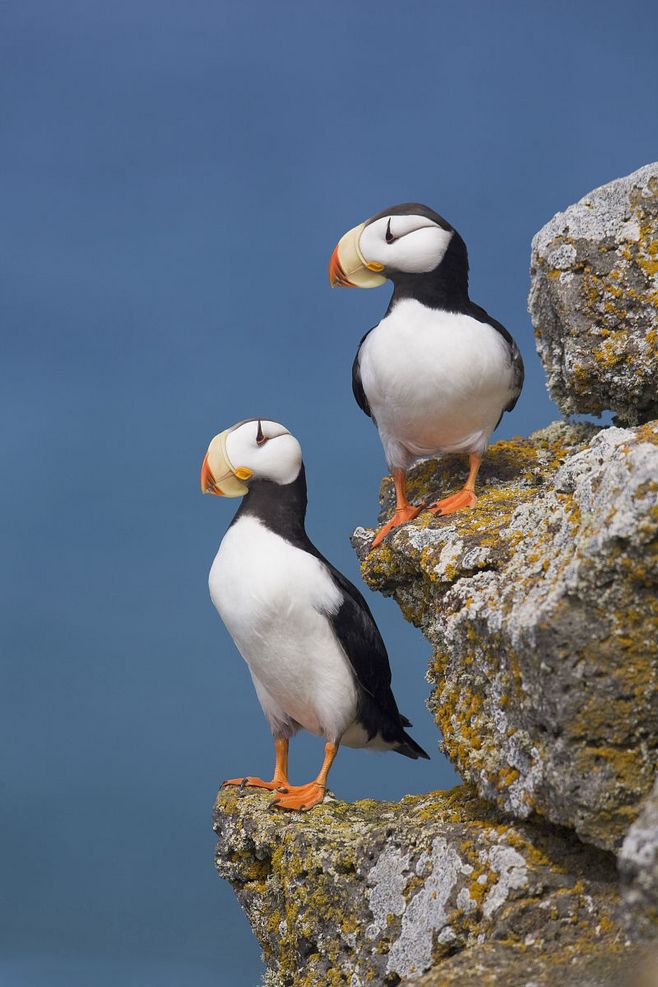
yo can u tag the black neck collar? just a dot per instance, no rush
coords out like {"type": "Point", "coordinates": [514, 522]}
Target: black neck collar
{"type": "Point", "coordinates": [280, 507]}
{"type": "Point", "coordinates": [446, 287]}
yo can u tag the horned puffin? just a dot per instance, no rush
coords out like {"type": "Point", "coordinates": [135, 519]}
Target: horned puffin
{"type": "Point", "coordinates": [316, 657]}
{"type": "Point", "coordinates": [437, 373]}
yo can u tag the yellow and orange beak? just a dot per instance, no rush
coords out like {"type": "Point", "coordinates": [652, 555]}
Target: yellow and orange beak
{"type": "Point", "coordinates": [348, 268]}
{"type": "Point", "coordinates": [218, 475]}
{"type": "Point", "coordinates": [208, 484]}
{"type": "Point", "coordinates": [337, 276]}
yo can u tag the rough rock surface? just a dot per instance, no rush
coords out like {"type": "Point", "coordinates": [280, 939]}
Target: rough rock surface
{"type": "Point", "coordinates": [638, 864]}
{"type": "Point", "coordinates": [382, 893]}
{"type": "Point", "coordinates": [541, 607]}
{"type": "Point", "coordinates": [610, 964]}
{"type": "Point", "coordinates": [594, 300]}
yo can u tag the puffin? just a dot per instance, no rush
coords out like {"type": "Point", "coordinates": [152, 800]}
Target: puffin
{"type": "Point", "coordinates": [315, 654]}
{"type": "Point", "coordinates": [438, 372]}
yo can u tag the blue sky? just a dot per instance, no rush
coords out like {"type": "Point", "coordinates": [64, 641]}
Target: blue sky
{"type": "Point", "coordinates": [174, 177]}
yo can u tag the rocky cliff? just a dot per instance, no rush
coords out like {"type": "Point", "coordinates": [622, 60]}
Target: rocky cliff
{"type": "Point", "coordinates": [540, 607]}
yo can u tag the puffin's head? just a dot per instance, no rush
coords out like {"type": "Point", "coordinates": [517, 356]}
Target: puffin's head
{"type": "Point", "coordinates": [404, 240]}
{"type": "Point", "coordinates": [257, 449]}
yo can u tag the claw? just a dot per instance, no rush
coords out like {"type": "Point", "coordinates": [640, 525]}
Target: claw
{"type": "Point", "coordinates": [451, 505]}
{"type": "Point", "coordinates": [249, 782]}
{"type": "Point", "coordinates": [300, 799]}
{"type": "Point", "coordinates": [400, 517]}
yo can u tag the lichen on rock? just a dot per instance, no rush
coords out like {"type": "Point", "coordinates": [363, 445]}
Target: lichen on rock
{"type": "Point", "coordinates": [541, 606]}
{"type": "Point", "coordinates": [594, 300]}
{"type": "Point", "coordinates": [380, 893]}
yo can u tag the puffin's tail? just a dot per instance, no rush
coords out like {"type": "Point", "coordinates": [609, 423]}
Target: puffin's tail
{"type": "Point", "coordinates": [408, 746]}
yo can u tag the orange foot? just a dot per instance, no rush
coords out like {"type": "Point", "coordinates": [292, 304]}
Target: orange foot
{"type": "Point", "coordinates": [401, 516]}
{"type": "Point", "coordinates": [249, 782]}
{"type": "Point", "coordinates": [456, 502]}
{"type": "Point", "coordinates": [299, 798]}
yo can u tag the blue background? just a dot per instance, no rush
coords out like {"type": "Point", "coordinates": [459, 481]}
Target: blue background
{"type": "Point", "coordinates": [174, 177]}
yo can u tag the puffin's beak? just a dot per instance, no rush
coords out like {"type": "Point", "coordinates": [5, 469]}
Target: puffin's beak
{"type": "Point", "coordinates": [348, 267]}
{"type": "Point", "coordinates": [208, 484]}
{"type": "Point", "coordinates": [337, 277]}
{"type": "Point", "coordinates": [218, 475]}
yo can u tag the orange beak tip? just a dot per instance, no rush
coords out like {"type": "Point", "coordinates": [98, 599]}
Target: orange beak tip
{"type": "Point", "coordinates": [207, 479]}
{"type": "Point", "coordinates": [337, 277]}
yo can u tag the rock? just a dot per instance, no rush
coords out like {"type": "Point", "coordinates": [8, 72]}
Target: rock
{"type": "Point", "coordinates": [541, 608]}
{"type": "Point", "coordinates": [594, 300]}
{"type": "Point", "coordinates": [503, 965]}
{"type": "Point", "coordinates": [382, 893]}
{"type": "Point", "coordinates": [638, 864]}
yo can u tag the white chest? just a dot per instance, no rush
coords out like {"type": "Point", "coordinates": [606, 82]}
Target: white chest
{"type": "Point", "coordinates": [435, 379]}
{"type": "Point", "coordinates": [259, 578]}
{"type": "Point", "coordinates": [274, 599]}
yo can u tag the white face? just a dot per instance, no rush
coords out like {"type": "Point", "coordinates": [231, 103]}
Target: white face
{"type": "Point", "coordinates": [271, 452]}
{"type": "Point", "coordinates": [411, 244]}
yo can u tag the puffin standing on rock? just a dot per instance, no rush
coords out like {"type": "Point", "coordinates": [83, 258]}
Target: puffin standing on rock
{"type": "Point", "coordinates": [315, 654]}
{"type": "Point", "coordinates": [438, 372]}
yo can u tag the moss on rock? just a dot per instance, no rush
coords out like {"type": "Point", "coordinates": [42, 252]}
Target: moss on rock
{"type": "Point", "coordinates": [381, 893]}
{"type": "Point", "coordinates": [541, 607]}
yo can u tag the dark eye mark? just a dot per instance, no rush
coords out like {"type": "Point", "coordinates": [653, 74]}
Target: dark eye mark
{"type": "Point", "coordinates": [261, 439]}
{"type": "Point", "coordinates": [389, 236]}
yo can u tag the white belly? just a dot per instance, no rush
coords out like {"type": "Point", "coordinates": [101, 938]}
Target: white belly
{"type": "Point", "coordinates": [436, 381]}
{"type": "Point", "coordinates": [272, 598]}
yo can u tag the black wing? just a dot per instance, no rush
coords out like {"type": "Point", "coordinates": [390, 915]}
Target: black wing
{"type": "Point", "coordinates": [358, 634]}
{"type": "Point", "coordinates": [359, 637]}
{"type": "Point", "coordinates": [357, 386]}
{"type": "Point", "coordinates": [363, 646]}
{"type": "Point", "coordinates": [477, 312]}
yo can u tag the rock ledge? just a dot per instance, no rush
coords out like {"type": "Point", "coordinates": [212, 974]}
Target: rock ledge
{"type": "Point", "coordinates": [382, 893]}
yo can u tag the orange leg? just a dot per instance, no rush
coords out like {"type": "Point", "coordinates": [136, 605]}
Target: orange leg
{"type": "Point", "coordinates": [280, 779]}
{"type": "Point", "coordinates": [465, 498]}
{"type": "Point", "coordinates": [302, 797]}
{"type": "Point", "coordinates": [404, 511]}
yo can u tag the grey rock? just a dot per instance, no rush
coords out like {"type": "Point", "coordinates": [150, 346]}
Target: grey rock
{"type": "Point", "coordinates": [383, 893]}
{"type": "Point", "coordinates": [541, 607]}
{"type": "Point", "coordinates": [594, 300]}
{"type": "Point", "coordinates": [638, 864]}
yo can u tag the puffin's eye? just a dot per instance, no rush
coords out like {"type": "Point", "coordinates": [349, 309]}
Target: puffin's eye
{"type": "Point", "coordinates": [261, 438]}
{"type": "Point", "coordinates": [389, 236]}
